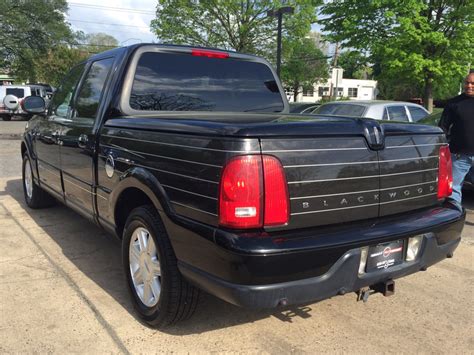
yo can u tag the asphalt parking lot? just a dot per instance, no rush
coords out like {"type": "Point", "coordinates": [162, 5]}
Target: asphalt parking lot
{"type": "Point", "coordinates": [62, 290]}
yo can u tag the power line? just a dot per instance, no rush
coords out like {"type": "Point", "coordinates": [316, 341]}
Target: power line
{"type": "Point", "coordinates": [93, 45]}
{"type": "Point", "coordinates": [119, 9]}
{"type": "Point", "coordinates": [108, 24]}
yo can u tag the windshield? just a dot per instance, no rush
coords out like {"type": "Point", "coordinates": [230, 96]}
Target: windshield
{"type": "Point", "coordinates": [182, 82]}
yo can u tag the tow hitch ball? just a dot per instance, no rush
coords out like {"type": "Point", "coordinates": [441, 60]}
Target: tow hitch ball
{"type": "Point", "coordinates": [386, 288]}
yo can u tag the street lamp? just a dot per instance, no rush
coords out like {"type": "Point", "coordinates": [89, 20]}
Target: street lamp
{"type": "Point", "coordinates": [279, 14]}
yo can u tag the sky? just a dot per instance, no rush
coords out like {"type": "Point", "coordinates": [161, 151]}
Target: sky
{"type": "Point", "coordinates": [126, 20]}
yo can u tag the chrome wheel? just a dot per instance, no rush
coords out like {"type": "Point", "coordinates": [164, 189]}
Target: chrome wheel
{"type": "Point", "coordinates": [145, 267]}
{"type": "Point", "coordinates": [28, 179]}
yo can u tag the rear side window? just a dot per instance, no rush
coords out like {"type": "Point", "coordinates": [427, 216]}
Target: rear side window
{"type": "Point", "coordinates": [397, 113]}
{"type": "Point", "coordinates": [182, 82]}
{"type": "Point", "coordinates": [341, 109]}
{"type": "Point", "coordinates": [417, 113]}
{"type": "Point", "coordinates": [91, 90]}
{"type": "Point", "coordinates": [19, 93]}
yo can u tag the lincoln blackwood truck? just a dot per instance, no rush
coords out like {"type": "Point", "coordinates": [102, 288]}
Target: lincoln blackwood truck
{"type": "Point", "coordinates": [189, 156]}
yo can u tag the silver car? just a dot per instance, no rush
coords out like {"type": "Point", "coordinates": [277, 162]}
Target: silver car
{"type": "Point", "coordinates": [377, 109]}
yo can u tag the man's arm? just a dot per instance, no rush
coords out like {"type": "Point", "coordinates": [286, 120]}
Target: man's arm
{"type": "Point", "coordinates": [446, 120]}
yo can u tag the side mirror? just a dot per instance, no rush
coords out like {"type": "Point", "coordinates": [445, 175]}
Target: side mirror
{"type": "Point", "coordinates": [34, 104]}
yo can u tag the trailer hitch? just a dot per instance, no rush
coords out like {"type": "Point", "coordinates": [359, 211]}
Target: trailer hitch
{"type": "Point", "coordinates": [386, 288]}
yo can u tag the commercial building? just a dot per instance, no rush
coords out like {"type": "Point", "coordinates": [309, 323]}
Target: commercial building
{"type": "Point", "coordinates": [354, 89]}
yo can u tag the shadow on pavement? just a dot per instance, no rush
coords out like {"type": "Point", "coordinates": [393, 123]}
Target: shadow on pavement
{"type": "Point", "coordinates": [97, 255]}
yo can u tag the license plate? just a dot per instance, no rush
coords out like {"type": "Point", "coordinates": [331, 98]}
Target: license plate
{"type": "Point", "coordinates": [385, 255]}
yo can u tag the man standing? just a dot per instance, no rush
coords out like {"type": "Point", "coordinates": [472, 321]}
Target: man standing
{"type": "Point", "coordinates": [457, 121]}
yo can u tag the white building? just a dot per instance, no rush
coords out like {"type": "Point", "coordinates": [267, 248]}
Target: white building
{"type": "Point", "coordinates": [354, 89]}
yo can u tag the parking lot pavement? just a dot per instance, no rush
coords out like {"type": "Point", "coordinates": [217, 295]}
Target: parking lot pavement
{"type": "Point", "coordinates": [11, 129]}
{"type": "Point", "coordinates": [62, 290]}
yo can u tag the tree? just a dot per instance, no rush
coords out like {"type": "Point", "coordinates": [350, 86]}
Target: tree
{"type": "Point", "coordinates": [28, 29]}
{"type": "Point", "coordinates": [425, 41]}
{"type": "Point", "coordinates": [303, 65]}
{"type": "Point", "coordinates": [355, 65]}
{"type": "Point", "coordinates": [52, 67]}
{"type": "Point", "coordinates": [98, 42]}
{"type": "Point", "coordinates": [231, 24]}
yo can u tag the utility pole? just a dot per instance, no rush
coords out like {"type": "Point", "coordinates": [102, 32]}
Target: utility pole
{"type": "Point", "coordinates": [336, 55]}
{"type": "Point", "coordinates": [279, 14]}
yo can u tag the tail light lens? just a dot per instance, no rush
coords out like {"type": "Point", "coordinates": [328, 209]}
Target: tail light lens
{"type": "Point", "coordinates": [241, 193]}
{"type": "Point", "coordinates": [445, 173]}
{"type": "Point", "coordinates": [253, 193]}
{"type": "Point", "coordinates": [276, 192]}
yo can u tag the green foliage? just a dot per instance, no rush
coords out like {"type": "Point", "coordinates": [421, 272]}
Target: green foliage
{"type": "Point", "coordinates": [303, 64]}
{"type": "Point", "coordinates": [355, 65]}
{"type": "Point", "coordinates": [231, 24]}
{"type": "Point", "coordinates": [53, 67]}
{"type": "Point", "coordinates": [98, 42]}
{"type": "Point", "coordinates": [28, 30]}
{"type": "Point", "coordinates": [427, 44]}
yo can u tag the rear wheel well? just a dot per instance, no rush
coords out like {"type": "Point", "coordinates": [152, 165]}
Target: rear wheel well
{"type": "Point", "coordinates": [128, 200]}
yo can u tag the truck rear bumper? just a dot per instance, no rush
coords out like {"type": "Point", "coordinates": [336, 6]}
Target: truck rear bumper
{"type": "Point", "coordinates": [342, 277]}
{"type": "Point", "coordinates": [264, 270]}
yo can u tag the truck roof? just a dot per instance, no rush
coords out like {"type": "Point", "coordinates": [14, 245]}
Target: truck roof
{"type": "Point", "coordinates": [133, 47]}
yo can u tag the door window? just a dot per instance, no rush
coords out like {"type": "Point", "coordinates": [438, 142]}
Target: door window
{"type": "Point", "coordinates": [397, 113]}
{"type": "Point", "coordinates": [417, 113]}
{"type": "Point", "coordinates": [62, 98]}
{"type": "Point", "coordinates": [91, 90]}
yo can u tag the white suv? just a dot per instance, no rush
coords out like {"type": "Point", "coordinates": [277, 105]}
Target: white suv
{"type": "Point", "coordinates": [11, 97]}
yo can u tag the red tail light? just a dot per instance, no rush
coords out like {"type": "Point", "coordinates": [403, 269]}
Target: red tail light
{"type": "Point", "coordinates": [276, 192]}
{"type": "Point", "coordinates": [445, 173]}
{"type": "Point", "coordinates": [209, 54]}
{"type": "Point", "coordinates": [253, 193]}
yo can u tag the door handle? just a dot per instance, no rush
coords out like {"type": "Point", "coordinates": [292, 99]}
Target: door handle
{"type": "Point", "coordinates": [82, 141]}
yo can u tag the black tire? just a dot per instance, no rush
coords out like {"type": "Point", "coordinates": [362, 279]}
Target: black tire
{"type": "Point", "coordinates": [39, 198]}
{"type": "Point", "coordinates": [178, 299]}
{"type": "Point", "coordinates": [6, 117]}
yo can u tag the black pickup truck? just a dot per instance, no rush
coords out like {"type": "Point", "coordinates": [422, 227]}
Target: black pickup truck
{"type": "Point", "coordinates": [190, 157]}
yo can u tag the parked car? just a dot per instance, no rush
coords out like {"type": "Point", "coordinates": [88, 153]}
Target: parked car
{"type": "Point", "coordinates": [303, 107]}
{"type": "Point", "coordinates": [377, 109]}
{"type": "Point", "coordinates": [11, 97]}
{"type": "Point", "coordinates": [190, 157]}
